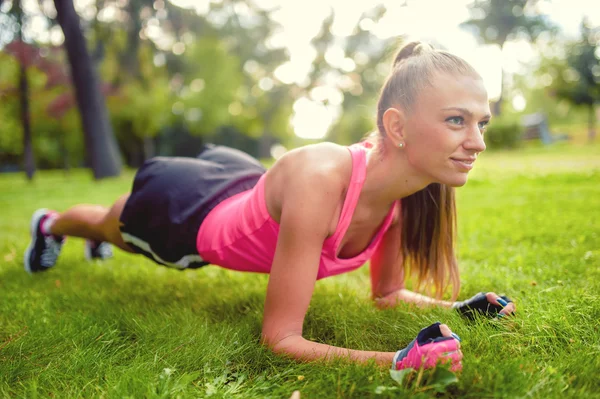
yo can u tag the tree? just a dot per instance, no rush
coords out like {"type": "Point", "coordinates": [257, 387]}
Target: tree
{"type": "Point", "coordinates": [26, 56]}
{"type": "Point", "coordinates": [264, 102]}
{"type": "Point", "coordinates": [579, 82]}
{"type": "Point", "coordinates": [215, 71]}
{"type": "Point", "coordinates": [357, 77]}
{"type": "Point", "coordinates": [498, 21]}
{"type": "Point", "coordinates": [100, 142]}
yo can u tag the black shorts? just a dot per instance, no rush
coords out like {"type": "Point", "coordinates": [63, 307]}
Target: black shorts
{"type": "Point", "coordinates": [171, 197]}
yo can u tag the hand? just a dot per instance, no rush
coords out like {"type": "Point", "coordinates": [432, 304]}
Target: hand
{"type": "Point", "coordinates": [433, 344]}
{"type": "Point", "coordinates": [489, 304]}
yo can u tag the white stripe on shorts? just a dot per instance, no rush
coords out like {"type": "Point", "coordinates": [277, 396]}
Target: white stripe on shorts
{"type": "Point", "coordinates": [182, 263]}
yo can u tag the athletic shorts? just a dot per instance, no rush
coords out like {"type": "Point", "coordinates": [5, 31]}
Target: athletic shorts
{"type": "Point", "coordinates": [171, 196]}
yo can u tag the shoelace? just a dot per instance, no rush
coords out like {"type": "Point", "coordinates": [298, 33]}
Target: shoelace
{"type": "Point", "coordinates": [50, 252]}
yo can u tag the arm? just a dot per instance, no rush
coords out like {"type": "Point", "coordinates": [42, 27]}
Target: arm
{"type": "Point", "coordinates": [306, 211]}
{"type": "Point", "coordinates": [387, 278]}
{"type": "Point", "coordinates": [387, 275]}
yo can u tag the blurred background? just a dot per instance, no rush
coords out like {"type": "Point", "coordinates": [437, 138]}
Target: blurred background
{"type": "Point", "coordinates": [106, 84]}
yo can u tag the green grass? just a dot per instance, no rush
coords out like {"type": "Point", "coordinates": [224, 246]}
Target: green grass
{"type": "Point", "coordinates": [529, 226]}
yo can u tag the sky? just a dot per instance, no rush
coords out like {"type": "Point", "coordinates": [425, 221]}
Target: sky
{"type": "Point", "coordinates": [435, 21]}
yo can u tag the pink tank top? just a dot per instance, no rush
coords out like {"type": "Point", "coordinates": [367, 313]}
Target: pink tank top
{"type": "Point", "coordinates": [239, 233]}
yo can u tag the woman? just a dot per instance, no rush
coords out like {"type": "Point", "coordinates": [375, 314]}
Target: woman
{"type": "Point", "coordinates": [321, 210]}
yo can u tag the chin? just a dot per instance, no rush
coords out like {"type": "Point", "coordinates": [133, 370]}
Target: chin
{"type": "Point", "coordinates": [455, 180]}
{"type": "Point", "coordinates": [458, 184]}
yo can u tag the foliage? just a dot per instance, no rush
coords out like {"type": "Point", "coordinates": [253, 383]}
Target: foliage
{"type": "Point", "coordinates": [179, 78]}
{"type": "Point", "coordinates": [11, 142]}
{"type": "Point", "coordinates": [498, 21]}
{"type": "Point", "coordinates": [368, 59]}
{"type": "Point", "coordinates": [535, 87]}
{"type": "Point", "coordinates": [57, 139]}
{"type": "Point", "coordinates": [191, 76]}
{"type": "Point", "coordinates": [503, 133]}
{"type": "Point", "coordinates": [579, 82]}
{"type": "Point", "coordinates": [212, 78]}
{"type": "Point", "coordinates": [565, 82]}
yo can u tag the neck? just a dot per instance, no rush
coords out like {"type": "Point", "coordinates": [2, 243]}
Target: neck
{"type": "Point", "coordinates": [390, 177]}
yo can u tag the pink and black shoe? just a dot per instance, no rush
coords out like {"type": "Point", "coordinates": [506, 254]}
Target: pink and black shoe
{"type": "Point", "coordinates": [428, 349]}
{"type": "Point", "coordinates": [97, 250]}
{"type": "Point", "coordinates": [43, 251]}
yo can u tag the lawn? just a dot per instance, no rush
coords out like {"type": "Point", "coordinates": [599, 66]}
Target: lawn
{"type": "Point", "coordinates": [529, 227]}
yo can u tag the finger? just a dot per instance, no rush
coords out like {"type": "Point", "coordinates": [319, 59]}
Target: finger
{"type": "Point", "coordinates": [508, 309]}
{"type": "Point", "coordinates": [492, 298]}
{"type": "Point", "coordinates": [445, 330]}
{"type": "Point", "coordinates": [456, 367]}
{"type": "Point", "coordinates": [295, 395]}
{"type": "Point", "coordinates": [452, 358]}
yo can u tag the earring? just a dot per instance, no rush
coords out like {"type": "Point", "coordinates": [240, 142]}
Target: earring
{"type": "Point", "coordinates": [401, 145]}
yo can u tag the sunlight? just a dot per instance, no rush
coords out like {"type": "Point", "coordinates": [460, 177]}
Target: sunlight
{"type": "Point", "coordinates": [311, 119]}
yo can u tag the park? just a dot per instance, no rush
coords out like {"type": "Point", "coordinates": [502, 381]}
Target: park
{"type": "Point", "coordinates": [166, 78]}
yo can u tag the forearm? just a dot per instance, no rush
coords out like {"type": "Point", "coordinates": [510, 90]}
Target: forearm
{"type": "Point", "coordinates": [406, 296]}
{"type": "Point", "coordinates": [302, 349]}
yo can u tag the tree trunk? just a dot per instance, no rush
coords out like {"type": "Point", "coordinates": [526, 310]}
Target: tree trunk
{"type": "Point", "coordinates": [265, 142]}
{"type": "Point", "coordinates": [100, 142]}
{"type": "Point", "coordinates": [130, 60]}
{"type": "Point", "coordinates": [148, 147]}
{"type": "Point", "coordinates": [591, 123]}
{"type": "Point", "coordinates": [29, 159]}
{"type": "Point", "coordinates": [65, 152]}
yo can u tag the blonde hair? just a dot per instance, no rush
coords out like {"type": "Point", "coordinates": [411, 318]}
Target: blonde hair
{"type": "Point", "coordinates": [428, 224]}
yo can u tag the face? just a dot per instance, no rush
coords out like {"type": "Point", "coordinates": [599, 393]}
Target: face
{"type": "Point", "coordinates": [443, 132]}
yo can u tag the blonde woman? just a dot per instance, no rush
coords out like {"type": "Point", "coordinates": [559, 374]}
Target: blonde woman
{"type": "Point", "coordinates": [319, 211]}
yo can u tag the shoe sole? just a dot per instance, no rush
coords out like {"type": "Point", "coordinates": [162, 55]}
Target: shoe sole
{"type": "Point", "coordinates": [35, 219]}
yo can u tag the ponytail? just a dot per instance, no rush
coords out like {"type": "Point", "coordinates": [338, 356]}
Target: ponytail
{"type": "Point", "coordinates": [428, 238]}
{"type": "Point", "coordinates": [428, 223]}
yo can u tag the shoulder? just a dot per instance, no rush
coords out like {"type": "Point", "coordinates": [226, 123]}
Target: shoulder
{"type": "Point", "coordinates": [317, 173]}
{"type": "Point", "coordinates": [317, 158]}
{"type": "Point", "coordinates": [315, 164]}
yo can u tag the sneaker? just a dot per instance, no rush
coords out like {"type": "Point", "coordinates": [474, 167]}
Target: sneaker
{"type": "Point", "coordinates": [43, 249]}
{"type": "Point", "coordinates": [97, 250]}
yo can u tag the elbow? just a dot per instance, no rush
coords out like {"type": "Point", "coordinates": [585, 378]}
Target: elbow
{"type": "Point", "coordinates": [281, 343]}
{"type": "Point", "coordinates": [389, 300]}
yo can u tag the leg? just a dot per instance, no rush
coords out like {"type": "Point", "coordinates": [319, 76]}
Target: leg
{"type": "Point", "coordinates": [93, 222]}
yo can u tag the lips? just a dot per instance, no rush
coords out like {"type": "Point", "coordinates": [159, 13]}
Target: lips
{"type": "Point", "coordinates": [464, 163]}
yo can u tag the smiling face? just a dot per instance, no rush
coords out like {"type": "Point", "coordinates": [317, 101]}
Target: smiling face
{"type": "Point", "coordinates": [443, 131]}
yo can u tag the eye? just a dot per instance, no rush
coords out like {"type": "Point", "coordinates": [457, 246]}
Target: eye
{"type": "Point", "coordinates": [483, 125]}
{"type": "Point", "coordinates": [456, 120]}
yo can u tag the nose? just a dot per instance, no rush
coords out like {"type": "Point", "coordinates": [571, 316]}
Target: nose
{"type": "Point", "coordinates": [474, 142]}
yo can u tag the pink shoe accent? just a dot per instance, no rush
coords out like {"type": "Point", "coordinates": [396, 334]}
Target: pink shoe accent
{"type": "Point", "coordinates": [50, 214]}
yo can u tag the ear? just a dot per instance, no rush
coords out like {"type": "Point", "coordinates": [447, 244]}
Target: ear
{"type": "Point", "coordinates": [393, 122]}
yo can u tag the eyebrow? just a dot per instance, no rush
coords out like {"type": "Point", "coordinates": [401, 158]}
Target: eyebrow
{"type": "Point", "coordinates": [465, 111]}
